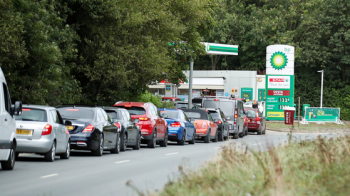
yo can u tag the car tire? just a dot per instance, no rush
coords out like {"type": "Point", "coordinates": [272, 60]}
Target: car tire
{"type": "Point", "coordinates": [264, 129]}
{"type": "Point", "coordinates": [123, 142]}
{"type": "Point", "coordinates": [153, 141]}
{"type": "Point", "coordinates": [67, 153]}
{"type": "Point", "coordinates": [193, 141]}
{"type": "Point", "coordinates": [182, 141]}
{"type": "Point", "coordinates": [99, 150]}
{"type": "Point", "coordinates": [221, 136]}
{"type": "Point", "coordinates": [235, 135]}
{"type": "Point", "coordinates": [9, 164]}
{"type": "Point", "coordinates": [117, 147]}
{"type": "Point", "coordinates": [207, 138]}
{"type": "Point", "coordinates": [164, 143]}
{"type": "Point", "coordinates": [259, 131]}
{"type": "Point", "coordinates": [216, 137]}
{"type": "Point", "coordinates": [138, 142]}
{"type": "Point", "coordinates": [17, 155]}
{"type": "Point", "coordinates": [50, 156]}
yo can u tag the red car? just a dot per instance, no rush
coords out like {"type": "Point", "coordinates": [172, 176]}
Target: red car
{"type": "Point", "coordinates": [154, 129]}
{"type": "Point", "coordinates": [256, 122]}
{"type": "Point", "coordinates": [173, 99]}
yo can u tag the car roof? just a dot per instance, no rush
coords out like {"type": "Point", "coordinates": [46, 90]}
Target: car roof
{"type": "Point", "coordinates": [111, 108]}
{"type": "Point", "coordinates": [171, 109]}
{"type": "Point", "coordinates": [37, 106]}
{"type": "Point", "coordinates": [136, 104]}
{"type": "Point", "coordinates": [77, 106]}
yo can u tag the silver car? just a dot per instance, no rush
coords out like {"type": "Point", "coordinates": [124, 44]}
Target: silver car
{"type": "Point", "coordinates": [40, 130]}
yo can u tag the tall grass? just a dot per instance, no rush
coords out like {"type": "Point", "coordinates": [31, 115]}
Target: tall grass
{"type": "Point", "coordinates": [318, 167]}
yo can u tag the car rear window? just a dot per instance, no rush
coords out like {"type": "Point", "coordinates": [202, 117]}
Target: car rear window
{"type": "Point", "coordinates": [171, 114]}
{"type": "Point", "coordinates": [29, 114]}
{"type": "Point", "coordinates": [251, 114]}
{"type": "Point", "coordinates": [215, 115]}
{"type": "Point", "coordinates": [76, 113]}
{"type": "Point", "coordinates": [226, 106]}
{"type": "Point", "coordinates": [197, 115]}
{"type": "Point", "coordinates": [135, 110]}
{"type": "Point", "coordinates": [114, 115]}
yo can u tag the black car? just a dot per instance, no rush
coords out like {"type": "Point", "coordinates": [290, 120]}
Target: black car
{"type": "Point", "coordinates": [90, 128]}
{"type": "Point", "coordinates": [220, 119]}
{"type": "Point", "coordinates": [130, 133]}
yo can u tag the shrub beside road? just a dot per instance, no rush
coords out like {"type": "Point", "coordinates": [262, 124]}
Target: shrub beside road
{"type": "Point", "coordinates": [319, 167]}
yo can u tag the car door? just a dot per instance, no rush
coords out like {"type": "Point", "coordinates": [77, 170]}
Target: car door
{"type": "Point", "coordinates": [225, 124]}
{"type": "Point", "coordinates": [212, 125]}
{"type": "Point", "coordinates": [54, 121]}
{"type": "Point", "coordinates": [189, 126]}
{"type": "Point", "coordinates": [160, 123]}
{"type": "Point", "coordinates": [7, 121]}
{"type": "Point", "coordinates": [240, 115]}
{"type": "Point", "coordinates": [109, 130]}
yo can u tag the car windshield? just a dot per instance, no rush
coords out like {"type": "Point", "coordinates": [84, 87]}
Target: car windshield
{"type": "Point", "coordinates": [215, 115]}
{"type": "Point", "coordinates": [226, 106]}
{"type": "Point", "coordinates": [76, 113]}
{"type": "Point", "coordinates": [114, 115]}
{"type": "Point", "coordinates": [171, 114]}
{"type": "Point", "coordinates": [135, 110]}
{"type": "Point", "coordinates": [196, 115]}
{"type": "Point", "coordinates": [32, 115]}
{"type": "Point", "coordinates": [251, 113]}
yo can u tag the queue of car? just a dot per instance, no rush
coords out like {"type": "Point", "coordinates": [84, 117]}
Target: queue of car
{"type": "Point", "coordinates": [51, 131]}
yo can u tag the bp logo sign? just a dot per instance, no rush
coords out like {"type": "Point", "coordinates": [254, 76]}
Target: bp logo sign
{"type": "Point", "coordinates": [278, 60]}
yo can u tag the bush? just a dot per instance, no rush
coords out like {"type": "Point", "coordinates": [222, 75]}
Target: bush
{"type": "Point", "coordinates": [156, 100]}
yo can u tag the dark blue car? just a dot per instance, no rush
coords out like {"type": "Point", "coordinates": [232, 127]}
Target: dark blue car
{"type": "Point", "coordinates": [180, 128]}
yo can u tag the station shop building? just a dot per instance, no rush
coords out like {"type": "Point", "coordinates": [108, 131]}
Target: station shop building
{"type": "Point", "coordinates": [243, 84]}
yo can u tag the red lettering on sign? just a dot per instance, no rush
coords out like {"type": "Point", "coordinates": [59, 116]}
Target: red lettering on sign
{"type": "Point", "coordinates": [277, 80]}
{"type": "Point", "coordinates": [278, 92]}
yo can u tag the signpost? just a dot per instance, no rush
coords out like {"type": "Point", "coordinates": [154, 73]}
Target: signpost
{"type": "Point", "coordinates": [313, 114]}
{"type": "Point", "coordinates": [247, 93]}
{"type": "Point", "coordinates": [279, 81]}
{"type": "Point", "coordinates": [261, 95]}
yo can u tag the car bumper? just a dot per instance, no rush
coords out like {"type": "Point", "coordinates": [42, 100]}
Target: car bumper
{"type": "Point", "coordinates": [253, 127]}
{"type": "Point", "coordinates": [42, 145]}
{"type": "Point", "coordinates": [174, 134]}
{"type": "Point", "coordinates": [201, 132]}
{"type": "Point", "coordinates": [84, 142]}
{"type": "Point", "coordinates": [4, 154]}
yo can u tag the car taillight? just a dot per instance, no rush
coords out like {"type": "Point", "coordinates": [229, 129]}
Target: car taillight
{"type": "Point", "coordinates": [216, 99]}
{"type": "Point", "coordinates": [257, 118]}
{"type": "Point", "coordinates": [117, 124]}
{"type": "Point", "coordinates": [236, 113]}
{"type": "Point", "coordinates": [175, 124]}
{"type": "Point", "coordinates": [142, 118]}
{"type": "Point", "coordinates": [47, 130]}
{"type": "Point", "coordinates": [89, 128]}
{"type": "Point", "coordinates": [67, 131]}
{"type": "Point", "coordinates": [204, 125]}
{"type": "Point", "coordinates": [219, 122]}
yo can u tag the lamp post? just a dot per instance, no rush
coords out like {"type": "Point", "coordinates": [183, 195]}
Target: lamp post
{"type": "Point", "coordinates": [190, 86]}
{"type": "Point", "coordinates": [321, 86]}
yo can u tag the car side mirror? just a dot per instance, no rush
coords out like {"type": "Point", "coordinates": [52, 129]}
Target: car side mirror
{"type": "Point", "coordinates": [67, 122]}
{"type": "Point", "coordinates": [136, 120]}
{"type": "Point", "coordinates": [17, 110]}
{"type": "Point", "coordinates": [228, 118]}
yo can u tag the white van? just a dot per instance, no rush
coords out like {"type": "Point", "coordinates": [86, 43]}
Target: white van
{"type": "Point", "coordinates": [7, 126]}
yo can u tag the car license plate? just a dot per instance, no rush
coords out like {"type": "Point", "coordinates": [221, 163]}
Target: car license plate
{"type": "Point", "coordinates": [69, 127]}
{"type": "Point", "coordinates": [24, 132]}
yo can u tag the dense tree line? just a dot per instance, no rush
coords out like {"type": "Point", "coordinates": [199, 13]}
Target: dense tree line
{"type": "Point", "coordinates": [318, 29]}
{"type": "Point", "coordinates": [97, 52]}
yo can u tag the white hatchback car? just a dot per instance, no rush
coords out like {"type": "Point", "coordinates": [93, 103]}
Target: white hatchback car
{"type": "Point", "coordinates": [40, 130]}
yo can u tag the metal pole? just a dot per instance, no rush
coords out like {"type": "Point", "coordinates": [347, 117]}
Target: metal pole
{"type": "Point", "coordinates": [299, 112]}
{"type": "Point", "coordinates": [321, 88]}
{"type": "Point", "coordinates": [190, 86]}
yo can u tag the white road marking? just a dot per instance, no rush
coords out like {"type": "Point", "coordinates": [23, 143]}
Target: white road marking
{"type": "Point", "coordinates": [48, 176]}
{"type": "Point", "coordinates": [172, 153]}
{"type": "Point", "coordinates": [122, 161]}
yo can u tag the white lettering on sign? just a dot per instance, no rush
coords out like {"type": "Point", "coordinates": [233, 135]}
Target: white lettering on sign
{"type": "Point", "coordinates": [282, 82]}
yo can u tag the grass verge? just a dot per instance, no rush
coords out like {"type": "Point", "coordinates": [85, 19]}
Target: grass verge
{"type": "Point", "coordinates": [309, 128]}
{"type": "Point", "coordinates": [319, 167]}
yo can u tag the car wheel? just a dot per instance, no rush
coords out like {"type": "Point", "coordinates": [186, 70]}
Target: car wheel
{"type": "Point", "coordinates": [123, 142]}
{"type": "Point", "coordinates": [259, 131]}
{"type": "Point", "coordinates": [193, 141]}
{"type": "Point", "coordinates": [17, 155]}
{"type": "Point", "coordinates": [264, 129]}
{"type": "Point", "coordinates": [117, 149]}
{"type": "Point", "coordinates": [50, 156]}
{"type": "Point", "coordinates": [216, 138]}
{"type": "Point", "coordinates": [235, 136]}
{"type": "Point", "coordinates": [207, 138]}
{"type": "Point", "coordinates": [138, 142]}
{"type": "Point", "coordinates": [221, 136]}
{"type": "Point", "coordinates": [153, 141]}
{"type": "Point", "coordinates": [67, 153]}
{"type": "Point", "coordinates": [164, 143]}
{"type": "Point", "coordinates": [99, 150]}
{"type": "Point", "coordinates": [10, 163]}
{"type": "Point", "coordinates": [182, 141]}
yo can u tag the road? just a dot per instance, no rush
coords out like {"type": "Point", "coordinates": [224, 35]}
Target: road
{"type": "Point", "coordinates": [146, 168]}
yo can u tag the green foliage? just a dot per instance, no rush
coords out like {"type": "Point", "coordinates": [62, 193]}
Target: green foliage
{"type": "Point", "coordinates": [318, 167]}
{"type": "Point", "coordinates": [155, 99]}
{"type": "Point", "coordinates": [167, 104]}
